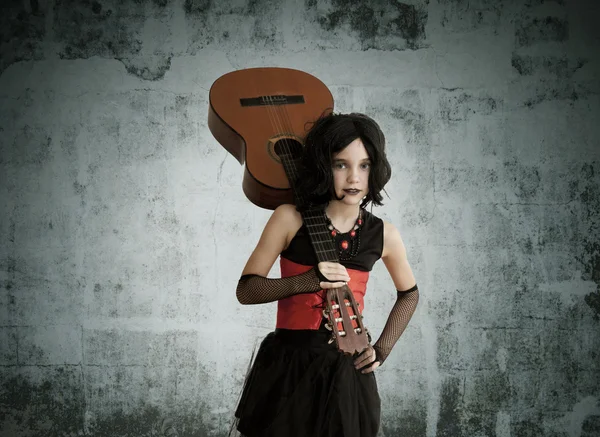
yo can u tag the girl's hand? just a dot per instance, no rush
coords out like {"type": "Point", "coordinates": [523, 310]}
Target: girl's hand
{"type": "Point", "coordinates": [367, 360]}
{"type": "Point", "coordinates": [335, 273]}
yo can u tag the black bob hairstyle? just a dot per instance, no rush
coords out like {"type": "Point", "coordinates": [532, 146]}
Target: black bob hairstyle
{"type": "Point", "coordinates": [329, 135]}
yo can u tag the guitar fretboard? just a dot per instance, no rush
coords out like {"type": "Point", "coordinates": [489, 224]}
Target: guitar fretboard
{"type": "Point", "coordinates": [320, 236]}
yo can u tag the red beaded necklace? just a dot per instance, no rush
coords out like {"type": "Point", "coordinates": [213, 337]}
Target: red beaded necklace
{"type": "Point", "coordinates": [347, 245]}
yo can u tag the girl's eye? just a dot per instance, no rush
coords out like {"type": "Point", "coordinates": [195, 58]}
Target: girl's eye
{"type": "Point", "coordinates": [339, 165]}
{"type": "Point", "coordinates": [366, 166]}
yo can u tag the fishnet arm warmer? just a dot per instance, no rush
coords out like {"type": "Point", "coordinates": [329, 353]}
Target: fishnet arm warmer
{"type": "Point", "coordinates": [254, 289]}
{"type": "Point", "coordinates": [401, 313]}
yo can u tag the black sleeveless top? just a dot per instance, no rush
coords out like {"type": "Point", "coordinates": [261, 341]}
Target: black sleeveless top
{"type": "Point", "coordinates": [301, 251]}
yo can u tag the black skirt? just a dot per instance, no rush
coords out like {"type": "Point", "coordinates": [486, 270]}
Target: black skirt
{"type": "Point", "coordinates": [300, 386]}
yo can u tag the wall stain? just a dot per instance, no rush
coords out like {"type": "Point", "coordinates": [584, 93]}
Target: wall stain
{"type": "Point", "coordinates": [80, 189]}
{"type": "Point", "coordinates": [449, 418]}
{"type": "Point", "coordinates": [252, 6]}
{"type": "Point", "coordinates": [55, 406]}
{"type": "Point", "coordinates": [549, 93]}
{"type": "Point", "coordinates": [23, 31]}
{"type": "Point", "coordinates": [591, 426]}
{"type": "Point", "coordinates": [592, 272]}
{"type": "Point", "coordinates": [35, 7]}
{"type": "Point", "coordinates": [538, 30]}
{"type": "Point", "coordinates": [112, 31]}
{"type": "Point", "coordinates": [590, 258]}
{"type": "Point", "coordinates": [372, 22]}
{"type": "Point", "coordinates": [496, 393]}
{"type": "Point", "coordinates": [32, 145]}
{"type": "Point", "coordinates": [214, 23]}
{"type": "Point", "coordinates": [219, 23]}
{"type": "Point", "coordinates": [11, 228]}
{"type": "Point", "coordinates": [457, 105]}
{"type": "Point", "coordinates": [408, 424]}
{"type": "Point", "coordinates": [561, 67]}
{"type": "Point", "coordinates": [405, 114]}
{"type": "Point", "coordinates": [146, 422]}
{"type": "Point", "coordinates": [96, 7]}
{"type": "Point", "coordinates": [415, 122]}
{"type": "Point", "coordinates": [197, 7]}
{"type": "Point", "coordinates": [481, 424]}
{"type": "Point", "coordinates": [527, 428]}
{"type": "Point", "coordinates": [9, 265]}
{"type": "Point", "coordinates": [461, 16]}
{"type": "Point", "coordinates": [148, 68]}
{"type": "Point", "coordinates": [525, 180]}
{"type": "Point", "coordinates": [530, 3]}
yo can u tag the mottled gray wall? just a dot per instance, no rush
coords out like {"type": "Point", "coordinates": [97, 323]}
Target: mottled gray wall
{"type": "Point", "coordinates": [124, 228]}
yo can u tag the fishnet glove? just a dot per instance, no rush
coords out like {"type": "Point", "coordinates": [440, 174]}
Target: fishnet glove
{"type": "Point", "coordinates": [403, 309]}
{"type": "Point", "coordinates": [254, 289]}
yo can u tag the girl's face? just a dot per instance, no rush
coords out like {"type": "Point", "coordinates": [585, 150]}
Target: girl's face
{"type": "Point", "coordinates": [351, 167]}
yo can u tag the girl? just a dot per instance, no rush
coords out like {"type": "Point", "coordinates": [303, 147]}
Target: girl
{"type": "Point", "coordinates": [300, 384]}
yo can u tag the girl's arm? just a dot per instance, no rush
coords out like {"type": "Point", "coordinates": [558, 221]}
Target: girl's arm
{"type": "Point", "coordinates": [254, 287]}
{"type": "Point", "coordinates": [283, 224]}
{"type": "Point", "coordinates": [395, 259]}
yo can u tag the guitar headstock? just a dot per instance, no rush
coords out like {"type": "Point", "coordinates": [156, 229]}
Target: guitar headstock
{"type": "Point", "coordinates": [345, 321]}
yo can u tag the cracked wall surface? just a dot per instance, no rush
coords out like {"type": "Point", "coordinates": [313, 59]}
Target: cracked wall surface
{"type": "Point", "coordinates": [124, 227]}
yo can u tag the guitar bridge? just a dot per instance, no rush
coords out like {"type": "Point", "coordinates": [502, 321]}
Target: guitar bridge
{"type": "Point", "coordinates": [275, 100]}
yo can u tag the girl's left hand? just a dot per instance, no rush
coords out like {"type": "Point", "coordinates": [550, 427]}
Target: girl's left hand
{"type": "Point", "coordinates": [366, 358]}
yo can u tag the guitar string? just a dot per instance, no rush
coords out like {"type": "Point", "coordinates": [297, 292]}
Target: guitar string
{"type": "Point", "coordinates": [324, 246]}
{"type": "Point", "coordinates": [309, 217]}
{"type": "Point", "coordinates": [320, 243]}
{"type": "Point", "coordinates": [316, 219]}
{"type": "Point", "coordinates": [278, 124]}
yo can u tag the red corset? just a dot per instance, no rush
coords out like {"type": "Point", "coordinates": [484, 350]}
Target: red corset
{"type": "Point", "coordinates": [305, 311]}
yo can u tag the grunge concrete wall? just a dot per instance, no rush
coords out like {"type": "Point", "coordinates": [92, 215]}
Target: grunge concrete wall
{"type": "Point", "coordinates": [124, 228]}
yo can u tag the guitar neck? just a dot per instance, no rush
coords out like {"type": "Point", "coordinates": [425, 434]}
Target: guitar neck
{"type": "Point", "coordinates": [319, 234]}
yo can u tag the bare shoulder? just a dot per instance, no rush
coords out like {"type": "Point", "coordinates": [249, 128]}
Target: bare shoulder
{"type": "Point", "coordinates": [288, 211]}
{"type": "Point", "coordinates": [278, 232]}
{"type": "Point", "coordinates": [392, 241]}
{"type": "Point", "coordinates": [395, 259]}
{"type": "Point", "coordinates": [288, 219]}
{"type": "Point", "coordinates": [287, 214]}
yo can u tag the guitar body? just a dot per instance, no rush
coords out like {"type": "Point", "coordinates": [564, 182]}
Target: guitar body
{"type": "Point", "coordinates": [251, 110]}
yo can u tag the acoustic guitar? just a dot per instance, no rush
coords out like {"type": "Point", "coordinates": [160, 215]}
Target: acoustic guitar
{"type": "Point", "coordinates": [261, 116]}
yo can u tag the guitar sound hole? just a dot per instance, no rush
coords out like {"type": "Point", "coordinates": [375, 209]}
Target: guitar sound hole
{"type": "Point", "coordinates": [288, 148]}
